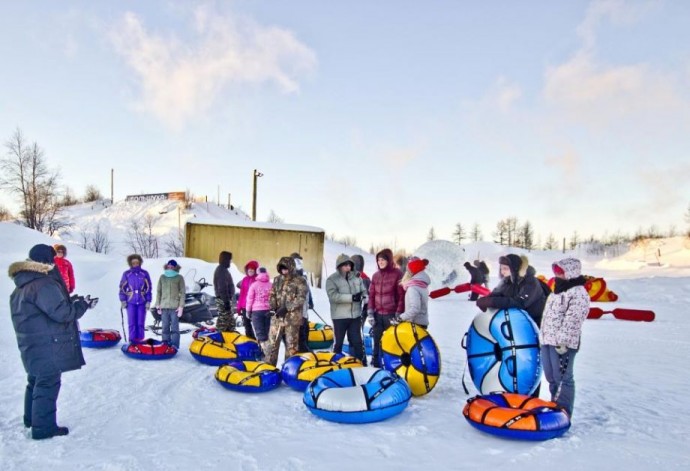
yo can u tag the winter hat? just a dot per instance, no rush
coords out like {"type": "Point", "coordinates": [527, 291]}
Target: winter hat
{"type": "Point", "coordinates": [416, 265]}
{"type": "Point", "coordinates": [42, 253]}
{"type": "Point", "coordinates": [557, 270]}
{"type": "Point", "coordinates": [133, 257]}
{"type": "Point", "coordinates": [263, 270]}
{"type": "Point", "coordinates": [296, 255]}
{"type": "Point", "coordinates": [467, 265]}
{"type": "Point", "coordinates": [60, 247]}
{"type": "Point", "coordinates": [172, 264]}
{"type": "Point", "coordinates": [252, 264]}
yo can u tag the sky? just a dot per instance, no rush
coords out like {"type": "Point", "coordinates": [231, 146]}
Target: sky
{"type": "Point", "coordinates": [373, 120]}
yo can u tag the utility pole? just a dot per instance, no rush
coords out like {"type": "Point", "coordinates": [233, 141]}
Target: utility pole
{"type": "Point", "coordinates": [257, 174]}
{"type": "Point", "coordinates": [112, 176]}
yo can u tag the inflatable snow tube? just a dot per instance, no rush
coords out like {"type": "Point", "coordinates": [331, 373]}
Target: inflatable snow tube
{"type": "Point", "coordinates": [248, 376]}
{"type": "Point", "coordinates": [598, 291]}
{"type": "Point", "coordinates": [357, 395]}
{"type": "Point", "coordinates": [211, 332]}
{"type": "Point", "coordinates": [320, 336]}
{"type": "Point", "coordinates": [409, 350]}
{"type": "Point", "coordinates": [301, 369]}
{"type": "Point", "coordinates": [208, 350]}
{"type": "Point", "coordinates": [503, 352]}
{"type": "Point", "coordinates": [368, 342]}
{"type": "Point", "coordinates": [149, 349]}
{"type": "Point", "coordinates": [99, 338]}
{"type": "Point", "coordinates": [516, 416]}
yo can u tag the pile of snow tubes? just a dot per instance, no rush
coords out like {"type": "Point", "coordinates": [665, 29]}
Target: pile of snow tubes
{"type": "Point", "coordinates": [99, 338]}
{"type": "Point", "coordinates": [409, 350]}
{"type": "Point", "coordinates": [320, 336]}
{"type": "Point", "coordinates": [301, 369]}
{"type": "Point", "coordinates": [516, 416]}
{"type": "Point", "coordinates": [218, 348]}
{"type": "Point", "coordinates": [205, 332]}
{"type": "Point", "coordinates": [503, 352]}
{"type": "Point", "coordinates": [357, 395]}
{"type": "Point", "coordinates": [248, 376]}
{"type": "Point", "coordinates": [149, 349]}
{"type": "Point", "coordinates": [368, 342]}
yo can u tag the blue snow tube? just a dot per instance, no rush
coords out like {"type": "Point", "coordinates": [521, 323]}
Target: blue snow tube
{"type": "Point", "coordinates": [368, 342]}
{"type": "Point", "coordinates": [248, 376]}
{"type": "Point", "coordinates": [149, 349]}
{"type": "Point", "coordinates": [503, 352]}
{"type": "Point", "coordinates": [357, 395]}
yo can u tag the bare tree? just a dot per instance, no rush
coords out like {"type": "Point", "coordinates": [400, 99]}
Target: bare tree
{"type": "Point", "coordinates": [501, 232]}
{"type": "Point", "coordinates": [551, 242]}
{"type": "Point", "coordinates": [141, 239]}
{"type": "Point", "coordinates": [672, 230]}
{"type": "Point", "coordinates": [96, 240]}
{"type": "Point", "coordinates": [476, 233]}
{"type": "Point", "coordinates": [92, 194]}
{"type": "Point", "coordinates": [460, 234]}
{"type": "Point", "coordinates": [174, 244]}
{"type": "Point", "coordinates": [574, 240]}
{"type": "Point", "coordinates": [5, 214]}
{"type": "Point", "coordinates": [526, 236]}
{"type": "Point", "coordinates": [26, 175]}
{"type": "Point", "coordinates": [68, 198]}
{"type": "Point", "coordinates": [431, 235]}
{"type": "Point", "coordinates": [273, 217]}
{"type": "Point", "coordinates": [511, 229]}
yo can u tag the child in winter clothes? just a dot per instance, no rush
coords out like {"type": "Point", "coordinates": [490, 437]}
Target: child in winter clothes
{"type": "Point", "coordinates": [64, 267]}
{"type": "Point", "coordinates": [565, 312]}
{"type": "Point", "coordinates": [170, 295]}
{"type": "Point", "coordinates": [258, 308]}
{"type": "Point", "coordinates": [135, 295]}
{"type": "Point", "coordinates": [386, 300]}
{"type": "Point", "coordinates": [416, 293]}
{"type": "Point", "coordinates": [250, 276]}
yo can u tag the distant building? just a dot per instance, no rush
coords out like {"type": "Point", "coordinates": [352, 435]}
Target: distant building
{"type": "Point", "coordinates": [262, 241]}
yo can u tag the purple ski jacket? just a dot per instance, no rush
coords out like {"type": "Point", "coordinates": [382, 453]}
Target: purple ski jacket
{"type": "Point", "coordinates": [135, 286]}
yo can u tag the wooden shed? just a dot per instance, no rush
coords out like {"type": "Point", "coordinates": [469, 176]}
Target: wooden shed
{"type": "Point", "coordinates": [262, 241]}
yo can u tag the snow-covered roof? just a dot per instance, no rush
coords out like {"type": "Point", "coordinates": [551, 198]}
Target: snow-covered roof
{"type": "Point", "coordinates": [256, 225]}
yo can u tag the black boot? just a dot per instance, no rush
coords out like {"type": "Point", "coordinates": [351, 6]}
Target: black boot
{"type": "Point", "coordinates": [38, 434]}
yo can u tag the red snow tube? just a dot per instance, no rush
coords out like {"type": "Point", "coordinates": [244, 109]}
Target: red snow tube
{"type": "Point", "coordinates": [149, 349]}
{"type": "Point", "coordinates": [99, 338]}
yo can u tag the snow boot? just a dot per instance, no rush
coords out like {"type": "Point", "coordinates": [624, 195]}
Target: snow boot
{"type": "Point", "coordinates": [38, 434]}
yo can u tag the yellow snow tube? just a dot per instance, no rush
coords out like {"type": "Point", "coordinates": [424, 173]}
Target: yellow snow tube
{"type": "Point", "coordinates": [248, 376]}
{"type": "Point", "coordinates": [320, 336]}
{"type": "Point", "coordinates": [409, 351]}
{"type": "Point", "coordinates": [218, 348]}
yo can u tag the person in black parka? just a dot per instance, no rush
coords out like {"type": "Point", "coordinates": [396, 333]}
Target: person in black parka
{"type": "Point", "coordinates": [475, 278]}
{"type": "Point", "coordinates": [518, 288]}
{"type": "Point", "coordinates": [45, 322]}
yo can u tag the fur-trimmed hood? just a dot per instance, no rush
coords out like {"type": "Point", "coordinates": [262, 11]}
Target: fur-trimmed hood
{"type": "Point", "coordinates": [28, 270]}
{"type": "Point", "coordinates": [519, 265]}
{"type": "Point", "coordinates": [288, 262]}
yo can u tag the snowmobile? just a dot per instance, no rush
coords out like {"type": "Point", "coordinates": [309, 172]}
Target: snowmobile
{"type": "Point", "coordinates": [199, 308]}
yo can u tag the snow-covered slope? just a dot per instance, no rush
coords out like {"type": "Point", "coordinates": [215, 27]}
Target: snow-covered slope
{"type": "Point", "coordinates": [124, 414]}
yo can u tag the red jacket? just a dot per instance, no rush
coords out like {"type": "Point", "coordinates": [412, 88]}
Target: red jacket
{"type": "Point", "coordinates": [65, 268]}
{"type": "Point", "coordinates": [386, 295]}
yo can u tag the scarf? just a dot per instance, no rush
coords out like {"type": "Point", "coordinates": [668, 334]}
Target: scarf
{"type": "Point", "coordinates": [170, 273]}
{"type": "Point", "coordinates": [564, 285]}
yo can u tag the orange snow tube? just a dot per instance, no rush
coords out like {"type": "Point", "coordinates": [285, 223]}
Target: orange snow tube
{"type": "Point", "coordinates": [516, 416]}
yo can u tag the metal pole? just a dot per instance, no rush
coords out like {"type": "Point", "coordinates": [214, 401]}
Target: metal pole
{"type": "Point", "coordinates": [112, 176]}
{"type": "Point", "coordinates": [254, 197]}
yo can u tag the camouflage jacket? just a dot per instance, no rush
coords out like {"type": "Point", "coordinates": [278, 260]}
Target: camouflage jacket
{"type": "Point", "coordinates": [289, 291]}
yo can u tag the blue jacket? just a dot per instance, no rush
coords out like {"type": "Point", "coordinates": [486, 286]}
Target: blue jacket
{"type": "Point", "coordinates": [45, 319]}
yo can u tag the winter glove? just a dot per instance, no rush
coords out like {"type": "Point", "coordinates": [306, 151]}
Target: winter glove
{"type": "Point", "coordinates": [371, 320]}
{"type": "Point", "coordinates": [90, 302]}
{"type": "Point", "coordinates": [561, 349]}
{"type": "Point", "coordinates": [357, 297]}
{"type": "Point", "coordinates": [483, 304]}
{"type": "Point", "coordinates": [123, 305]}
{"type": "Point", "coordinates": [394, 320]}
{"type": "Point", "coordinates": [281, 312]}
{"type": "Point", "coordinates": [179, 311]}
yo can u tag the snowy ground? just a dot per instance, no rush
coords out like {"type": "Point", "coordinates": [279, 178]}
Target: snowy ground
{"type": "Point", "coordinates": [631, 408]}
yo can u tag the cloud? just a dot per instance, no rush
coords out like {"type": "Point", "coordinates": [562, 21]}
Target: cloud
{"type": "Point", "coordinates": [618, 12]}
{"type": "Point", "coordinates": [568, 165]}
{"type": "Point", "coordinates": [180, 79]}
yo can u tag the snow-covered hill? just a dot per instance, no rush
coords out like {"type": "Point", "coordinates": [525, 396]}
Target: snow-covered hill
{"type": "Point", "coordinates": [129, 415]}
